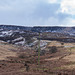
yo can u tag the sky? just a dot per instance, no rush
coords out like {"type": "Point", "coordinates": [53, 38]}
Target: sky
{"type": "Point", "coordinates": [37, 12]}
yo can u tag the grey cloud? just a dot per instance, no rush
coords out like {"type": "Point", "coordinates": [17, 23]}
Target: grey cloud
{"type": "Point", "coordinates": [29, 12]}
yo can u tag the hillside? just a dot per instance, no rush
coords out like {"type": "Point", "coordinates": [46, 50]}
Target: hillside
{"type": "Point", "coordinates": [20, 46]}
{"type": "Point", "coordinates": [7, 50]}
{"type": "Point", "coordinates": [13, 59]}
{"type": "Point", "coordinates": [67, 30]}
{"type": "Point", "coordinates": [21, 35]}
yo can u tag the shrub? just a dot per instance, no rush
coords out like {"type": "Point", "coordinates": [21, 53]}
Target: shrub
{"type": "Point", "coordinates": [42, 52]}
{"type": "Point", "coordinates": [22, 56]}
{"type": "Point", "coordinates": [53, 49]}
{"type": "Point", "coordinates": [62, 43]}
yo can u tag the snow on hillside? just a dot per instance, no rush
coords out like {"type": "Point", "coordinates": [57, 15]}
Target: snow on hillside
{"type": "Point", "coordinates": [20, 34]}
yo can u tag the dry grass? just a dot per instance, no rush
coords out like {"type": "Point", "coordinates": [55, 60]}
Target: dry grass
{"type": "Point", "coordinates": [69, 52]}
{"type": "Point", "coordinates": [5, 51]}
{"type": "Point", "coordinates": [54, 62]}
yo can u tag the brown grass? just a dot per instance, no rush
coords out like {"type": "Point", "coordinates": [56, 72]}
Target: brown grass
{"type": "Point", "coordinates": [6, 51]}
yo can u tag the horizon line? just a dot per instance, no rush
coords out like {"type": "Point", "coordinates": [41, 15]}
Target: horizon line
{"type": "Point", "coordinates": [26, 25]}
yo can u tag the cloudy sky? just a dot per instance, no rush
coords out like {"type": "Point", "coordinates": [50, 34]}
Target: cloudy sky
{"type": "Point", "coordinates": [37, 12]}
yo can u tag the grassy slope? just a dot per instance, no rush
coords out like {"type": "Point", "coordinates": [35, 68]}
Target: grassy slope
{"type": "Point", "coordinates": [64, 59]}
{"type": "Point", "coordinates": [6, 50]}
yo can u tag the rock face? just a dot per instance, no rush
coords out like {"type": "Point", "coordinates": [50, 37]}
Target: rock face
{"type": "Point", "coordinates": [21, 35]}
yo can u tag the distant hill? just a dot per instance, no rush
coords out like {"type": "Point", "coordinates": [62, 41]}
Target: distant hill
{"type": "Point", "coordinates": [39, 28]}
{"type": "Point", "coordinates": [22, 34]}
